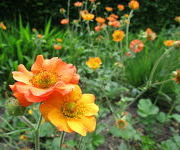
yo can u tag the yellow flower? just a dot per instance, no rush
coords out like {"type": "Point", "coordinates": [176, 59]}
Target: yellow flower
{"type": "Point", "coordinates": [122, 124]}
{"type": "Point", "coordinates": [86, 15]}
{"type": "Point", "coordinates": [94, 62]}
{"type": "Point", "coordinates": [177, 18]}
{"type": "Point", "coordinates": [23, 137]}
{"type": "Point", "coordinates": [30, 112]}
{"type": "Point", "coordinates": [74, 112]}
{"type": "Point", "coordinates": [2, 26]}
{"type": "Point", "coordinates": [169, 43]}
{"type": "Point", "coordinates": [134, 5]}
{"type": "Point", "coordinates": [57, 47]}
{"type": "Point", "coordinates": [177, 76]}
{"type": "Point", "coordinates": [59, 40]}
{"type": "Point", "coordinates": [118, 35]}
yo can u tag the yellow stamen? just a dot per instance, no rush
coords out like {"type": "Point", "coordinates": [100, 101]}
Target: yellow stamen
{"type": "Point", "coordinates": [44, 79]}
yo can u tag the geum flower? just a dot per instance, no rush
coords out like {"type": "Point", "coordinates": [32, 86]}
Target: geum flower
{"type": "Point", "coordinates": [74, 112]}
{"type": "Point", "coordinates": [45, 77]}
{"type": "Point", "coordinates": [136, 46]}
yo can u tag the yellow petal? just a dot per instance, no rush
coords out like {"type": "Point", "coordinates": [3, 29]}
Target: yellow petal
{"type": "Point", "coordinates": [77, 126]}
{"type": "Point", "coordinates": [87, 98]}
{"type": "Point", "coordinates": [57, 119]}
{"type": "Point", "coordinates": [89, 123]}
{"type": "Point", "coordinates": [91, 109]}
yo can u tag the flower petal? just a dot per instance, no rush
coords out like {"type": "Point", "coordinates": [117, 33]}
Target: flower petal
{"type": "Point", "coordinates": [91, 109]}
{"type": "Point", "coordinates": [22, 75]}
{"type": "Point", "coordinates": [87, 98]}
{"type": "Point", "coordinates": [77, 126]}
{"type": "Point", "coordinates": [64, 88]}
{"type": "Point", "coordinates": [89, 123]}
{"type": "Point", "coordinates": [22, 100]}
{"type": "Point", "coordinates": [37, 66]}
{"type": "Point", "coordinates": [57, 119]}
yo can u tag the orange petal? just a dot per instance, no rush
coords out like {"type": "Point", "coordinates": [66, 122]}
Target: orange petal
{"type": "Point", "coordinates": [75, 79]}
{"type": "Point", "coordinates": [41, 92]}
{"type": "Point", "coordinates": [22, 75]}
{"type": "Point", "coordinates": [87, 98]}
{"type": "Point", "coordinates": [37, 66]}
{"type": "Point", "coordinates": [89, 123]}
{"type": "Point", "coordinates": [66, 72]}
{"type": "Point", "coordinates": [57, 119]}
{"type": "Point", "coordinates": [55, 99]}
{"type": "Point", "coordinates": [91, 109]}
{"type": "Point", "coordinates": [45, 109]}
{"type": "Point", "coordinates": [22, 100]}
{"type": "Point", "coordinates": [64, 88]}
{"type": "Point", "coordinates": [77, 126]}
{"type": "Point", "coordinates": [51, 64]}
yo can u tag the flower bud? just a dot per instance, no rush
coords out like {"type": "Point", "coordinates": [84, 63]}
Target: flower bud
{"type": "Point", "coordinates": [13, 108]}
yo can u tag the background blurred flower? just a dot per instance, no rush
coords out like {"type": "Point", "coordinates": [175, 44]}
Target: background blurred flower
{"type": "Point", "coordinates": [78, 4]}
{"type": "Point", "coordinates": [94, 62]}
{"type": "Point", "coordinates": [134, 4]}
{"type": "Point", "coordinates": [150, 35]}
{"type": "Point", "coordinates": [177, 18]}
{"type": "Point", "coordinates": [122, 124]}
{"type": "Point", "coordinates": [100, 20]}
{"type": "Point", "coordinates": [59, 40]}
{"type": "Point", "coordinates": [177, 76]}
{"type": "Point", "coordinates": [169, 43]}
{"type": "Point", "coordinates": [64, 21]}
{"type": "Point", "coordinates": [86, 15]}
{"type": "Point", "coordinates": [57, 46]}
{"type": "Point", "coordinates": [118, 35]}
{"type": "Point", "coordinates": [120, 7]}
{"type": "Point", "coordinates": [2, 26]}
{"type": "Point", "coordinates": [109, 9]}
{"type": "Point", "coordinates": [136, 46]}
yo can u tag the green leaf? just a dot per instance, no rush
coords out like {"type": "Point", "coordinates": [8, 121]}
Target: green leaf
{"type": "Point", "coordinates": [176, 117]}
{"type": "Point", "coordinates": [146, 108]}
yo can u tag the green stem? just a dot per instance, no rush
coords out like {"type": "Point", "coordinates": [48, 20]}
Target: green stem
{"type": "Point", "coordinates": [80, 142]}
{"type": "Point", "coordinates": [127, 28]}
{"type": "Point", "coordinates": [8, 124]}
{"type": "Point", "coordinates": [13, 132]}
{"type": "Point", "coordinates": [61, 140]}
{"type": "Point", "coordinates": [36, 132]}
{"type": "Point", "coordinates": [156, 65]}
{"type": "Point", "coordinates": [110, 107]}
{"type": "Point", "coordinates": [27, 121]}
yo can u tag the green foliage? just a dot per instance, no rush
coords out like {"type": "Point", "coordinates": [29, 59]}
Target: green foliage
{"type": "Point", "coordinates": [146, 108]}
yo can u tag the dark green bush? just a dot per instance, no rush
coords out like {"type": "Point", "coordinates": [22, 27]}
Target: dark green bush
{"type": "Point", "coordinates": [152, 13]}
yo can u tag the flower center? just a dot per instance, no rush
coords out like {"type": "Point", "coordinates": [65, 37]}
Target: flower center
{"type": "Point", "coordinates": [44, 79]}
{"type": "Point", "coordinates": [72, 110]}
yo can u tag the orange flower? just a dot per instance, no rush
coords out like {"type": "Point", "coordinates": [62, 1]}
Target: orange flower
{"type": "Point", "coordinates": [177, 43]}
{"type": "Point", "coordinates": [169, 43]}
{"type": "Point", "coordinates": [100, 20]}
{"type": "Point", "coordinates": [118, 35]}
{"type": "Point", "coordinates": [94, 62]}
{"type": "Point", "coordinates": [121, 124]}
{"type": "Point", "coordinates": [64, 21]}
{"type": "Point", "coordinates": [40, 36]}
{"type": "Point", "coordinates": [126, 15]}
{"type": "Point", "coordinates": [120, 7]}
{"type": "Point", "coordinates": [109, 9]}
{"type": "Point", "coordinates": [92, 1]}
{"type": "Point", "coordinates": [57, 47]}
{"type": "Point", "coordinates": [74, 112]}
{"type": "Point", "coordinates": [150, 34]}
{"type": "Point", "coordinates": [2, 26]}
{"type": "Point", "coordinates": [99, 27]}
{"type": "Point", "coordinates": [136, 46]}
{"type": "Point", "coordinates": [115, 24]}
{"type": "Point", "coordinates": [78, 4]}
{"type": "Point", "coordinates": [46, 76]}
{"type": "Point", "coordinates": [177, 19]}
{"type": "Point", "coordinates": [134, 5]}
{"type": "Point", "coordinates": [177, 76]}
{"type": "Point", "coordinates": [112, 17]}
